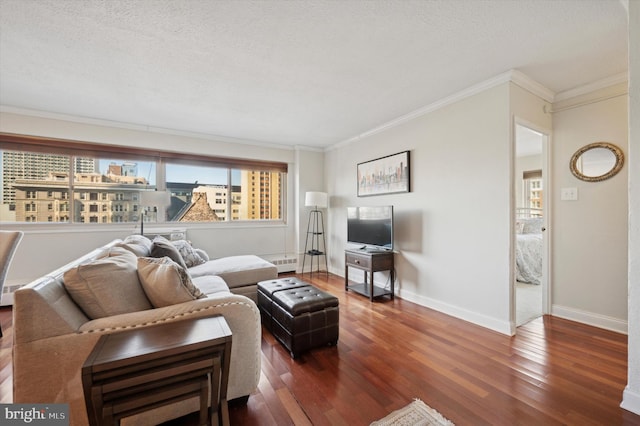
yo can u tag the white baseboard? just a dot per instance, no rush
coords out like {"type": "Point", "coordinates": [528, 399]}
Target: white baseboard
{"type": "Point", "coordinates": [590, 318]}
{"type": "Point", "coordinates": [504, 327]}
{"type": "Point", "coordinates": [631, 401]}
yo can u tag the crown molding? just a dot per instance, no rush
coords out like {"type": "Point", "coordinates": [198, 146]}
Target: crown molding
{"type": "Point", "coordinates": [138, 127]}
{"type": "Point", "coordinates": [514, 76]}
{"type": "Point", "coordinates": [592, 87]}
{"type": "Point", "coordinates": [531, 85]}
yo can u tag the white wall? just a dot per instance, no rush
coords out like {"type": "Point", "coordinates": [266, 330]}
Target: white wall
{"type": "Point", "coordinates": [309, 177]}
{"type": "Point", "coordinates": [47, 247]}
{"type": "Point", "coordinates": [631, 396]}
{"type": "Point", "coordinates": [452, 231]}
{"type": "Point", "coordinates": [590, 235]}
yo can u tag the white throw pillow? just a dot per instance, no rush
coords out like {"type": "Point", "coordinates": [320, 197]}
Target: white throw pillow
{"type": "Point", "coordinates": [165, 282]}
{"type": "Point", "coordinates": [188, 253]}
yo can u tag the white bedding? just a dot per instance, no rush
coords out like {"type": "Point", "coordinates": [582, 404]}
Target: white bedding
{"type": "Point", "coordinates": [529, 258]}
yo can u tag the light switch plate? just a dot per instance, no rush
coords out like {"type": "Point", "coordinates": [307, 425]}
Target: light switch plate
{"type": "Point", "coordinates": [569, 194]}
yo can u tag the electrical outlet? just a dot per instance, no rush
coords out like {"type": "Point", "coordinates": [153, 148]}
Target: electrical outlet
{"type": "Point", "coordinates": [569, 194]}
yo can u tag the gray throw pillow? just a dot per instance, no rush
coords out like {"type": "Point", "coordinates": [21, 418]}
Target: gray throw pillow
{"type": "Point", "coordinates": [162, 247]}
{"type": "Point", "coordinates": [165, 282]}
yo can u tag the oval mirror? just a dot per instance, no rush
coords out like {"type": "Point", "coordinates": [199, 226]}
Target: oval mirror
{"type": "Point", "coordinates": [597, 161]}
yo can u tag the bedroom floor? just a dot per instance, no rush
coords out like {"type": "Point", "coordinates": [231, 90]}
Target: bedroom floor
{"type": "Point", "coordinates": [528, 302]}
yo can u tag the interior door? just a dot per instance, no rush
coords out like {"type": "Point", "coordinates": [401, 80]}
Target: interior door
{"type": "Point", "coordinates": [531, 234]}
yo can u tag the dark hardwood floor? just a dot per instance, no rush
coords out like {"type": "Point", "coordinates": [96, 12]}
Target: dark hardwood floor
{"type": "Point", "coordinates": [553, 372]}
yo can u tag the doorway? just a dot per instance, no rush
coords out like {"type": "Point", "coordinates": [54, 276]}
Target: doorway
{"type": "Point", "coordinates": [530, 249]}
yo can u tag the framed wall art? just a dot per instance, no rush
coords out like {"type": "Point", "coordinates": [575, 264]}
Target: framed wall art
{"type": "Point", "coordinates": [385, 175]}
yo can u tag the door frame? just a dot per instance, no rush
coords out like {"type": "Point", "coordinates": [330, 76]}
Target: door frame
{"type": "Point", "coordinates": [546, 282]}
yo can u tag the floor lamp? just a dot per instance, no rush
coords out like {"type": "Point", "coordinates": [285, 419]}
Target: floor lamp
{"type": "Point", "coordinates": [157, 199]}
{"type": "Point", "coordinates": [315, 230]}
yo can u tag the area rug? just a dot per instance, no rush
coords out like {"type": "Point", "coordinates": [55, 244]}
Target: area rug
{"type": "Point", "coordinates": [415, 414]}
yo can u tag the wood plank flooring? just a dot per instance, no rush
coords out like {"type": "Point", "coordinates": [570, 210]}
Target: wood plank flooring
{"type": "Point", "coordinates": [553, 372]}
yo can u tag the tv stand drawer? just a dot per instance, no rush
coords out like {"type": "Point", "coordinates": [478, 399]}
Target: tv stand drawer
{"type": "Point", "coordinates": [358, 260]}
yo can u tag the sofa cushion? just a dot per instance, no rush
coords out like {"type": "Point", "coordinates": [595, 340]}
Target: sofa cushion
{"type": "Point", "coordinates": [107, 286]}
{"type": "Point", "coordinates": [210, 284]}
{"type": "Point", "coordinates": [237, 271]}
{"type": "Point", "coordinates": [165, 282]}
{"type": "Point", "coordinates": [188, 253]}
{"type": "Point", "coordinates": [162, 247]}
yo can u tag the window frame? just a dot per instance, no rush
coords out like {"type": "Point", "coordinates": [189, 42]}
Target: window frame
{"type": "Point", "coordinates": [75, 149]}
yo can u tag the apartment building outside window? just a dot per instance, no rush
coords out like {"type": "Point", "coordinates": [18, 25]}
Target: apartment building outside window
{"type": "Point", "coordinates": [202, 189]}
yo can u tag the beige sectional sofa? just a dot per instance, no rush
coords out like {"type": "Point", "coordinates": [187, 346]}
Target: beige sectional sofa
{"type": "Point", "coordinates": [59, 317]}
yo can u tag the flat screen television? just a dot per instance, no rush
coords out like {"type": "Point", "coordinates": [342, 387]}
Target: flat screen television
{"type": "Point", "coordinates": [370, 227]}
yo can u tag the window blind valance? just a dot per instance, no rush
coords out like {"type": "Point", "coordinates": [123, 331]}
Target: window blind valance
{"type": "Point", "coordinates": [15, 142]}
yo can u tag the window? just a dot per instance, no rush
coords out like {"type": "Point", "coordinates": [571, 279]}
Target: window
{"type": "Point", "coordinates": [206, 194]}
{"type": "Point", "coordinates": [533, 189]}
{"type": "Point", "coordinates": [101, 178]}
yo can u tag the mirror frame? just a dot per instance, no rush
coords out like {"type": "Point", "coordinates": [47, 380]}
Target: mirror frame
{"type": "Point", "coordinates": [617, 152]}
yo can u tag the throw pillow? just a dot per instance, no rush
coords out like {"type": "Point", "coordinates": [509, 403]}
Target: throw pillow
{"type": "Point", "coordinates": [203, 255]}
{"type": "Point", "coordinates": [165, 282]}
{"type": "Point", "coordinates": [107, 286]}
{"type": "Point", "coordinates": [188, 253]}
{"type": "Point", "coordinates": [137, 244]}
{"type": "Point", "coordinates": [162, 247]}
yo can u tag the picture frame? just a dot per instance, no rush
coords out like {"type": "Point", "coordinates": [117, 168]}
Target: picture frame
{"type": "Point", "coordinates": [384, 175]}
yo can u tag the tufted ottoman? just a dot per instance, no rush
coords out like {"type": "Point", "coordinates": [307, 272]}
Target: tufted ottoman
{"type": "Point", "coordinates": [299, 315]}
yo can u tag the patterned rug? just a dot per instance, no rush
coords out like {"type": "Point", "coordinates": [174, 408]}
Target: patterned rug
{"type": "Point", "coordinates": [415, 414]}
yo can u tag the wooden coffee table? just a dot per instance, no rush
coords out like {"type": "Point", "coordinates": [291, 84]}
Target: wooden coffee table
{"type": "Point", "coordinates": [135, 370]}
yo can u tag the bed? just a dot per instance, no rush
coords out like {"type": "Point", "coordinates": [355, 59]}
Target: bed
{"type": "Point", "coordinates": [529, 246]}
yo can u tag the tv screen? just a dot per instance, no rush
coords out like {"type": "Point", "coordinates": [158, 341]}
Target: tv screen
{"type": "Point", "coordinates": [370, 227]}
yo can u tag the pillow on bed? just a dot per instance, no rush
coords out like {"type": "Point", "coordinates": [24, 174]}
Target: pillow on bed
{"type": "Point", "coordinates": [165, 282]}
{"type": "Point", "coordinates": [532, 226]}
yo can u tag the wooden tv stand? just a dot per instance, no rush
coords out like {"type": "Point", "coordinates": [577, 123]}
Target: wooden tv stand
{"type": "Point", "coordinates": [369, 262]}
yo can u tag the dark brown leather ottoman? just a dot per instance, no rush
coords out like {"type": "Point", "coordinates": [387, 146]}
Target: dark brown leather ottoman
{"type": "Point", "coordinates": [265, 296]}
{"type": "Point", "coordinates": [302, 317]}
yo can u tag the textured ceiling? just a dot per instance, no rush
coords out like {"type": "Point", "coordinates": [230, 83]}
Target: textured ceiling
{"type": "Point", "coordinates": [311, 73]}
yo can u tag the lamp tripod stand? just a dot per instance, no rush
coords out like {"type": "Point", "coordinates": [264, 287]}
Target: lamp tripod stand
{"type": "Point", "coordinates": [315, 232]}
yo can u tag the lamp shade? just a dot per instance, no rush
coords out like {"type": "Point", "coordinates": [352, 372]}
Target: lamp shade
{"type": "Point", "coordinates": [316, 199]}
{"type": "Point", "coordinates": [155, 198]}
